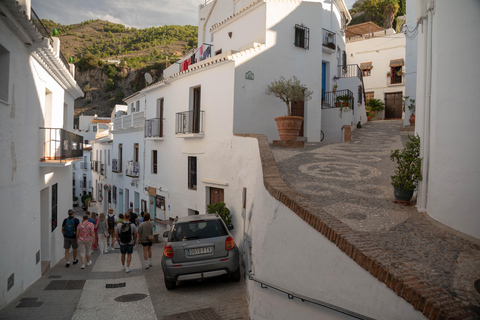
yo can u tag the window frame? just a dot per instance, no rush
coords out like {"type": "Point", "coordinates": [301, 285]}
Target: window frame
{"type": "Point", "coordinates": [154, 162]}
{"type": "Point", "coordinates": [302, 36]}
{"type": "Point", "coordinates": [192, 170]}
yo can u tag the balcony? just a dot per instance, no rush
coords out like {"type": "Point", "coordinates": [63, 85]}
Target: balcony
{"type": "Point", "coordinates": [190, 123]}
{"type": "Point", "coordinates": [129, 121]}
{"type": "Point", "coordinates": [132, 169]}
{"type": "Point", "coordinates": [328, 39]}
{"type": "Point", "coordinates": [337, 99]}
{"type": "Point", "coordinates": [116, 166]}
{"type": "Point", "coordinates": [350, 71]}
{"type": "Point", "coordinates": [154, 128]}
{"type": "Point", "coordinates": [102, 169]}
{"type": "Point", "coordinates": [202, 53]}
{"type": "Point", "coordinates": [60, 146]}
{"type": "Point", "coordinates": [395, 79]}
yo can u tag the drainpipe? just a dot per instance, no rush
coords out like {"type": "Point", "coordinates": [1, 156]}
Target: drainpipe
{"type": "Point", "coordinates": [425, 144]}
{"type": "Point", "coordinates": [206, 20]}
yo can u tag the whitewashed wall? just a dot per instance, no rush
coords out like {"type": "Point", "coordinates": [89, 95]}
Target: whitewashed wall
{"type": "Point", "coordinates": [448, 126]}
{"type": "Point", "coordinates": [379, 51]}
{"type": "Point", "coordinates": [411, 50]}
{"type": "Point", "coordinates": [24, 230]}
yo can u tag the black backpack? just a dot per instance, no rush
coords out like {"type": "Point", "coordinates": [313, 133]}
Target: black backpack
{"type": "Point", "coordinates": [111, 222]}
{"type": "Point", "coordinates": [69, 230]}
{"type": "Point", "coordinates": [125, 233]}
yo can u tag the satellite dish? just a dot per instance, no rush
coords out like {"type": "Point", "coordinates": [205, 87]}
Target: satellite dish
{"type": "Point", "coordinates": [148, 77]}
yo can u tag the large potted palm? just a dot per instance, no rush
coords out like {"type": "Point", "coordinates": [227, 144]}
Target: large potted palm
{"type": "Point", "coordinates": [409, 169]}
{"type": "Point", "coordinates": [289, 90]}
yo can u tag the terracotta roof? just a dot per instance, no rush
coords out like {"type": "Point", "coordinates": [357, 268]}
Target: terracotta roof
{"type": "Point", "coordinates": [396, 63]}
{"type": "Point", "coordinates": [101, 121]}
{"type": "Point", "coordinates": [362, 28]}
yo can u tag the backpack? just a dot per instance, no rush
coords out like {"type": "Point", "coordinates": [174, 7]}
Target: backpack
{"type": "Point", "coordinates": [111, 222]}
{"type": "Point", "coordinates": [69, 230]}
{"type": "Point", "coordinates": [125, 233]}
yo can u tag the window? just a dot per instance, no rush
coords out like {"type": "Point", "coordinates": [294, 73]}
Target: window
{"type": "Point", "coordinates": [138, 106]}
{"type": "Point", "coordinates": [94, 128]}
{"type": "Point", "coordinates": [366, 73]}
{"type": "Point", "coordinates": [133, 107]}
{"type": "Point", "coordinates": [396, 71]}
{"type": "Point", "coordinates": [135, 152]}
{"type": "Point", "coordinates": [366, 68]}
{"type": "Point", "coordinates": [54, 205]}
{"type": "Point", "coordinates": [119, 168]}
{"type": "Point", "coordinates": [360, 94]}
{"type": "Point", "coordinates": [160, 115]}
{"type": "Point", "coordinates": [154, 161]}
{"type": "Point", "coordinates": [86, 141]}
{"type": "Point", "coordinates": [302, 35]}
{"type": "Point", "coordinates": [192, 173]}
{"type": "Point", "coordinates": [218, 52]}
{"type": "Point", "coordinates": [108, 157]}
{"type": "Point", "coordinates": [4, 73]}
{"type": "Point", "coordinates": [196, 110]}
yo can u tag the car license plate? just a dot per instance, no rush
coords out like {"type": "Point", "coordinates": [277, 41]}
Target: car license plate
{"type": "Point", "coordinates": [196, 251]}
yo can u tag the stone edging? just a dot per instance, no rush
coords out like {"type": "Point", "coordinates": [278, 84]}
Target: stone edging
{"type": "Point", "coordinates": [433, 301]}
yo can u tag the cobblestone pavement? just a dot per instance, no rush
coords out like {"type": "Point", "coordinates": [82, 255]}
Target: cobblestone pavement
{"type": "Point", "coordinates": [144, 289]}
{"type": "Point", "coordinates": [351, 181]}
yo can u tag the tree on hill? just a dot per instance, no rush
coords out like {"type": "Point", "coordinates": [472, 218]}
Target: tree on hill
{"type": "Point", "coordinates": [381, 12]}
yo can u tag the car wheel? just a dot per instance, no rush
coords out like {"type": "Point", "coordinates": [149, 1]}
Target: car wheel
{"type": "Point", "coordinates": [236, 275]}
{"type": "Point", "coordinates": [170, 284]}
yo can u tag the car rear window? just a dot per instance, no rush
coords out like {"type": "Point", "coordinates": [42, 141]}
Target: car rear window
{"type": "Point", "coordinates": [198, 230]}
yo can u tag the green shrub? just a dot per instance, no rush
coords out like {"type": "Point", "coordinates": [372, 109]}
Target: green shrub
{"type": "Point", "coordinates": [110, 70]}
{"type": "Point", "coordinates": [110, 85]}
{"type": "Point", "coordinates": [88, 62]}
{"type": "Point", "coordinates": [222, 211]}
{"type": "Point", "coordinates": [409, 165]}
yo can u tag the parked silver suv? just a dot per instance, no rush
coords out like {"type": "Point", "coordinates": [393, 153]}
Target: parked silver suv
{"type": "Point", "coordinates": [198, 247]}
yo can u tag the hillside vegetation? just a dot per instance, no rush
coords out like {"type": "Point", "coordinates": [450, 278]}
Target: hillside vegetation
{"type": "Point", "coordinates": [111, 59]}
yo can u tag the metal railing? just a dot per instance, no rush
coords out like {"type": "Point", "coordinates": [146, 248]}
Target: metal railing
{"type": "Point", "coordinates": [132, 169]}
{"type": "Point", "coordinates": [328, 39]}
{"type": "Point", "coordinates": [102, 169]}
{"type": "Point", "coordinates": [352, 71]}
{"type": "Point", "coordinates": [337, 99]}
{"type": "Point", "coordinates": [189, 122]}
{"type": "Point", "coordinates": [134, 120]}
{"type": "Point", "coordinates": [60, 144]}
{"type": "Point", "coordinates": [154, 128]}
{"type": "Point", "coordinates": [292, 295]}
{"type": "Point", "coordinates": [116, 166]}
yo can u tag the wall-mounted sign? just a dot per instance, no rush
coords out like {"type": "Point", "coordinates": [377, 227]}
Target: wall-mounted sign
{"type": "Point", "coordinates": [152, 191]}
{"type": "Point", "coordinates": [249, 75]}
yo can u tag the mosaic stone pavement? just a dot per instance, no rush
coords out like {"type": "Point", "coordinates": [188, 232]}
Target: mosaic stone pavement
{"type": "Point", "coordinates": [351, 181]}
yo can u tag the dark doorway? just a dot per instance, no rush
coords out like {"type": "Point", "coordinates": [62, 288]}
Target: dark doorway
{"type": "Point", "coordinates": [216, 195]}
{"type": "Point", "coordinates": [298, 110]}
{"type": "Point", "coordinates": [393, 105]}
{"type": "Point", "coordinates": [196, 110]}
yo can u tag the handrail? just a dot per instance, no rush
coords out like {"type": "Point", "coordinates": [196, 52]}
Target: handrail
{"type": "Point", "coordinates": [291, 295]}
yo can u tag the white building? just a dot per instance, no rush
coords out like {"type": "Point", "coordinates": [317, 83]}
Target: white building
{"type": "Point", "coordinates": [82, 173]}
{"type": "Point", "coordinates": [447, 111]}
{"type": "Point", "coordinates": [37, 93]}
{"type": "Point", "coordinates": [381, 56]}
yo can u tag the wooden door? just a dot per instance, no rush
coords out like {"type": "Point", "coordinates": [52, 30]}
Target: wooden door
{"type": "Point", "coordinates": [216, 195]}
{"type": "Point", "coordinates": [393, 105]}
{"type": "Point", "coordinates": [298, 109]}
{"type": "Point", "coordinates": [196, 110]}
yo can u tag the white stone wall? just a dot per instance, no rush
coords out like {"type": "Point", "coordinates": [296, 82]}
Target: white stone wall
{"type": "Point", "coordinates": [379, 51]}
{"type": "Point", "coordinates": [26, 210]}
{"type": "Point", "coordinates": [447, 124]}
{"type": "Point", "coordinates": [411, 50]}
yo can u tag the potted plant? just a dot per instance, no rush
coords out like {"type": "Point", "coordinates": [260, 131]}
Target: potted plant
{"type": "Point", "coordinates": [289, 90]}
{"type": "Point", "coordinates": [222, 211]}
{"type": "Point", "coordinates": [409, 169]}
{"type": "Point", "coordinates": [331, 45]}
{"type": "Point", "coordinates": [411, 107]}
{"type": "Point", "coordinates": [343, 102]}
{"type": "Point", "coordinates": [374, 105]}
{"type": "Point", "coordinates": [335, 86]}
{"type": "Point", "coordinates": [389, 74]}
{"type": "Point", "coordinates": [75, 201]}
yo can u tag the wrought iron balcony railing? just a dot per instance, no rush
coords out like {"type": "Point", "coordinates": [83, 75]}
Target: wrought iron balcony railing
{"type": "Point", "coordinates": [132, 169]}
{"type": "Point", "coordinates": [188, 122]}
{"type": "Point", "coordinates": [350, 71]}
{"type": "Point", "coordinates": [337, 99]}
{"type": "Point", "coordinates": [60, 144]}
{"type": "Point", "coordinates": [116, 166]}
{"type": "Point", "coordinates": [154, 128]}
{"type": "Point", "coordinates": [328, 39]}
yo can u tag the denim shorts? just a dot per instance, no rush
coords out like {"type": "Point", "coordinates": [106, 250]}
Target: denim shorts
{"type": "Point", "coordinates": [127, 248]}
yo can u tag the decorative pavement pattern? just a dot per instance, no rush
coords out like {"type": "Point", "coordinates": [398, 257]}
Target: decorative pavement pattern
{"type": "Point", "coordinates": [351, 181]}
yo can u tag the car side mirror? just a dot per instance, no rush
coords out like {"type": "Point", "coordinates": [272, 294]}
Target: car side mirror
{"type": "Point", "coordinates": [165, 234]}
{"type": "Point", "coordinates": [230, 226]}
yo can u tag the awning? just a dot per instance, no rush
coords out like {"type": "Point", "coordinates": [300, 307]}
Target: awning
{"type": "Point", "coordinates": [366, 66]}
{"type": "Point", "coordinates": [396, 63]}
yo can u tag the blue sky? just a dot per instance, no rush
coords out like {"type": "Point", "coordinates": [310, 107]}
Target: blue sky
{"type": "Point", "coordinates": [132, 13]}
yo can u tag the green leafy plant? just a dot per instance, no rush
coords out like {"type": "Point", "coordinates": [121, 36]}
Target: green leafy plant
{"type": "Point", "coordinates": [345, 103]}
{"type": "Point", "coordinates": [375, 105]}
{"type": "Point", "coordinates": [288, 91]}
{"type": "Point", "coordinates": [409, 165]}
{"type": "Point", "coordinates": [222, 211]}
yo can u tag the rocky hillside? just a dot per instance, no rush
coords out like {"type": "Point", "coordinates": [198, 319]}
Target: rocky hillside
{"type": "Point", "coordinates": [111, 59]}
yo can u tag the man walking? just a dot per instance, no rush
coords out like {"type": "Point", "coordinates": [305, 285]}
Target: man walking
{"type": "Point", "coordinates": [133, 217]}
{"type": "Point", "coordinates": [126, 235]}
{"type": "Point", "coordinates": [112, 221]}
{"type": "Point", "coordinates": [69, 231]}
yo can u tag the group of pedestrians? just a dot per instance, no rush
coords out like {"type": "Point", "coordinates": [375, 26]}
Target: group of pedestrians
{"type": "Point", "coordinates": [93, 231]}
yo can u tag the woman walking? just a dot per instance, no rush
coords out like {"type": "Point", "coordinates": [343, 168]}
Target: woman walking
{"type": "Point", "coordinates": [85, 237]}
{"type": "Point", "coordinates": [102, 231]}
{"type": "Point", "coordinates": [144, 231]}
{"type": "Point", "coordinates": [95, 241]}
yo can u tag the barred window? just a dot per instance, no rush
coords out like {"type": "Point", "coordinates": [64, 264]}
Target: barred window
{"type": "Point", "coordinates": [302, 35]}
{"type": "Point", "coordinates": [192, 173]}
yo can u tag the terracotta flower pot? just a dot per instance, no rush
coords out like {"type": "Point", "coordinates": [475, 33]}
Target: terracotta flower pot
{"type": "Point", "coordinates": [289, 127]}
{"type": "Point", "coordinates": [412, 120]}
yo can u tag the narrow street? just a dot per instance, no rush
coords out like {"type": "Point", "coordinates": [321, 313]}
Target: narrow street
{"type": "Point", "coordinates": [103, 291]}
